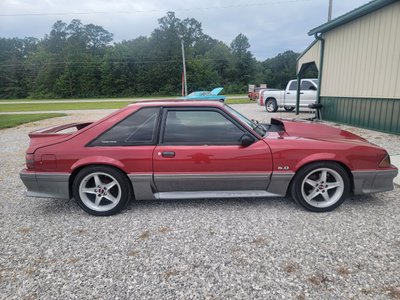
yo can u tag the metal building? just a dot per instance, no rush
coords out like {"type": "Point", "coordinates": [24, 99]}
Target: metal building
{"type": "Point", "coordinates": [358, 59]}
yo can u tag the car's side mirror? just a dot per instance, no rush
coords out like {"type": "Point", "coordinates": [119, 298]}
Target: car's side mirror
{"type": "Point", "coordinates": [313, 88]}
{"type": "Point", "coordinates": [246, 140]}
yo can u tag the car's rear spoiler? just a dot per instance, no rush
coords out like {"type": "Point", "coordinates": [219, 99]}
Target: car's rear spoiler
{"type": "Point", "coordinates": [55, 132]}
{"type": "Point", "coordinates": [55, 129]}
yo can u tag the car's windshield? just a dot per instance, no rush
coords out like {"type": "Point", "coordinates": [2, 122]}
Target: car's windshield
{"type": "Point", "coordinates": [259, 128]}
{"type": "Point", "coordinates": [315, 81]}
{"type": "Point", "coordinates": [199, 93]}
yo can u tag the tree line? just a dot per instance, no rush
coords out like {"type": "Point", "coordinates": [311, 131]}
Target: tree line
{"type": "Point", "coordinates": [78, 60]}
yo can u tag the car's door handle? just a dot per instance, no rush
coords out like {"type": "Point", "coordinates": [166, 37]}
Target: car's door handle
{"type": "Point", "coordinates": [301, 93]}
{"type": "Point", "coordinates": [168, 154]}
{"type": "Point", "coordinates": [287, 93]}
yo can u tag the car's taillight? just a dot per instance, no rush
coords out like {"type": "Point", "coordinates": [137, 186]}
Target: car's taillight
{"type": "Point", "coordinates": [30, 162]}
{"type": "Point", "coordinates": [385, 163]}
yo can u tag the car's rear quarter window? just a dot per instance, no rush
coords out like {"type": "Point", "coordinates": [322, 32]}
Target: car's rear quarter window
{"type": "Point", "coordinates": [137, 129]}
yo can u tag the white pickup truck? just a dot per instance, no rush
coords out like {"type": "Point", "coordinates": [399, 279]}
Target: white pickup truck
{"type": "Point", "coordinates": [273, 99]}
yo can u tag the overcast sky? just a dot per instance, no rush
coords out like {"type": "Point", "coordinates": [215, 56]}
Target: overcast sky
{"type": "Point", "coordinates": [272, 26]}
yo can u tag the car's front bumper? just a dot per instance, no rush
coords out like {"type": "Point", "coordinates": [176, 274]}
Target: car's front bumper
{"type": "Point", "coordinates": [374, 181]}
{"type": "Point", "coordinates": [46, 185]}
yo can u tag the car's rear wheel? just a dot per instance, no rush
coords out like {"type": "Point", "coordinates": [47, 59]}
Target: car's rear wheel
{"type": "Point", "coordinates": [289, 108]}
{"type": "Point", "coordinates": [321, 186]}
{"type": "Point", "coordinates": [101, 190]}
{"type": "Point", "coordinates": [271, 105]}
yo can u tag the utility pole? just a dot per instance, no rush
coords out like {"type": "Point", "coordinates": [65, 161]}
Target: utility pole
{"type": "Point", "coordinates": [184, 68]}
{"type": "Point", "coordinates": [330, 10]}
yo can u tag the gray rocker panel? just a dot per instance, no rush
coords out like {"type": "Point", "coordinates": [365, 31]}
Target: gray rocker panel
{"type": "Point", "coordinates": [184, 186]}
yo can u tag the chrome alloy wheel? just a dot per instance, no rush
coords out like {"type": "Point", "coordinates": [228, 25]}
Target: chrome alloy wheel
{"type": "Point", "coordinates": [100, 191]}
{"type": "Point", "coordinates": [322, 187]}
{"type": "Point", "coordinates": [270, 106]}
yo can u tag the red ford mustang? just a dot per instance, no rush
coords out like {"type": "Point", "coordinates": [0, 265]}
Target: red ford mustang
{"type": "Point", "coordinates": [200, 149]}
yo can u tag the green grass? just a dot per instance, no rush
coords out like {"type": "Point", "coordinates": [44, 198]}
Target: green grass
{"type": "Point", "coordinates": [231, 95]}
{"type": "Point", "coordinates": [238, 101]}
{"type": "Point", "coordinates": [8, 121]}
{"type": "Point", "coordinates": [16, 107]}
{"type": "Point", "coordinates": [61, 106]}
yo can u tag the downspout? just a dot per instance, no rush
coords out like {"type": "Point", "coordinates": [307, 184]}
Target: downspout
{"type": "Point", "coordinates": [321, 64]}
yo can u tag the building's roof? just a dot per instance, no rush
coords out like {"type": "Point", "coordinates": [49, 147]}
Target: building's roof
{"type": "Point", "coordinates": [308, 48]}
{"type": "Point", "coordinates": [351, 15]}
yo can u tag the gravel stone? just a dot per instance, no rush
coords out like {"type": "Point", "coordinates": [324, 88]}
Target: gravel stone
{"type": "Point", "coordinates": [194, 249]}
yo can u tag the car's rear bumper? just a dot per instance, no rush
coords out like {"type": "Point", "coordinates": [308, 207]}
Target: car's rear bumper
{"type": "Point", "coordinates": [374, 181]}
{"type": "Point", "coordinates": [46, 185]}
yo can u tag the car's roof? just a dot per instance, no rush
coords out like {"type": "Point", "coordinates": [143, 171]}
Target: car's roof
{"type": "Point", "coordinates": [177, 102]}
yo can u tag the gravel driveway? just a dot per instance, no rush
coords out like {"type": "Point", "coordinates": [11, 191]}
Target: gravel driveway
{"type": "Point", "coordinates": [202, 249]}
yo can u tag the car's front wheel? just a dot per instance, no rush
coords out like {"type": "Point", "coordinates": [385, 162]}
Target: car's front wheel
{"type": "Point", "coordinates": [101, 190]}
{"type": "Point", "coordinates": [321, 186]}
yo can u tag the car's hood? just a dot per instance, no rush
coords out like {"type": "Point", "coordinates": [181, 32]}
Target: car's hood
{"type": "Point", "coordinates": [216, 91]}
{"type": "Point", "coordinates": [314, 130]}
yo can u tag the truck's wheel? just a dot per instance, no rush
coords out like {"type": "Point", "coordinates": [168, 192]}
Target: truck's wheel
{"type": "Point", "coordinates": [289, 108]}
{"type": "Point", "coordinates": [271, 105]}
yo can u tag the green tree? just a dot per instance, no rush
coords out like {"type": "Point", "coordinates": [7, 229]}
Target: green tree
{"type": "Point", "coordinates": [202, 75]}
{"type": "Point", "coordinates": [14, 75]}
{"type": "Point", "coordinates": [222, 60]}
{"type": "Point", "coordinates": [244, 63]}
{"type": "Point", "coordinates": [123, 66]}
{"type": "Point", "coordinates": [78, 60]}
{"type": "Point", "coordinates": [280, 69]}
{"type": "Point", "coordinates": [68, 61]}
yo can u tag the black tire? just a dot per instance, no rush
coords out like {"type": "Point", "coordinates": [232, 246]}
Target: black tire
{"type": "Point", "coordinates": [271, 105]}
{"type": "Point", "coordinates": [112, 191]}
{"type": "Point", "coordinates": [289, 108]}
{"type": "Point", "coordinates": [311, 191]}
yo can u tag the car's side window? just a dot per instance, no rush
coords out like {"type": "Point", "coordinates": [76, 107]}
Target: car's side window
{"type": "Point", "coordinates": [293, 85]}
{"type": "Point", "coordinates": [137, 129]}
{"type": "Point", "coordinates": [306, 85]}
{"type": "Point", "coordinates": [200, 127]}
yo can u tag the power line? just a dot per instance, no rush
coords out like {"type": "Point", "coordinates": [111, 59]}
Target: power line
{"type": "Point", "coordinates": [151, 11]}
